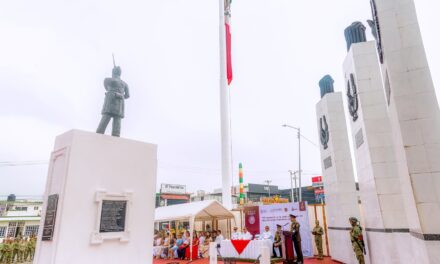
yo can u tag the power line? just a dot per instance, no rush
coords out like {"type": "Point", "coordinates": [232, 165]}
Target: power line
{"type": "Point", "coordinates": [310, 141]}
{"type": "Point", "coordinates": [23, 163]}
{"type": "Point", "coordinates": [195, 170]}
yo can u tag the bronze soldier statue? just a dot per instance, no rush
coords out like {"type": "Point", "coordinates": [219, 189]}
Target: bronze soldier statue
{"type": "Point", "coordinates": [116, 93]}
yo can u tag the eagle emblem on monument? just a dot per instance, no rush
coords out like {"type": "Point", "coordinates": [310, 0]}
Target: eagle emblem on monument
{"type": "Point", "coordinates": [325, 134]}
{"type": "Point", "coordinates": [352, 96]}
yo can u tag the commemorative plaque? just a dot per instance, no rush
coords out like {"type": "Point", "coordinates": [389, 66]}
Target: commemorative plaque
{"type": "Point", "coordinates": [359, 138]}
{"type": "Point", "coordinates": [328, 162]}
{"type": "Point", "coordinates": [113, 216]}
{"type": "Point", "coordinates": [49, 219]}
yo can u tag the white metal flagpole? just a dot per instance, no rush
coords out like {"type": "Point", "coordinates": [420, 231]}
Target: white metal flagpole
{"type": "Point", "coordinates": [225, 115]}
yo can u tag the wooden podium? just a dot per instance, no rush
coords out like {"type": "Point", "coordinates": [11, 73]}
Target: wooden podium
{"type": "Point", "coordinates": [288, 253]}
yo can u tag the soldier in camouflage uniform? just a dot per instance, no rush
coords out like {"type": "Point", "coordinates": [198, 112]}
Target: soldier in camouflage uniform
{"type": "Point", "coordinates": [318, 231]}
{"type": "Point", "coordinates": [27, 252]}
{"type": "Point", "coordinates": [1, 250]}
{"type": "Point", "coordinates": [357, 240]}
{"type": "Point", "coordinates": [7, 251]}
{"type": "Point", "coordinates": [21, 250]}
{"type": "Point", "coordinates": [15, 248]}
{"type": "Point", "coordinates": [33, 242]}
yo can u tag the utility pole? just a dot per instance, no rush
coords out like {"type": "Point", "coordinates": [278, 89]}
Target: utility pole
{"type": "Point", "coordinates": [291, 186]}
{"type": "Point", "coordinates": [268, 185]}
{"type": "Point", "coordinates": [293, 191]}
{"type": "Point", "coordinates": [299, 157]}
{"type": "Point", "coordinates": [299, 164]}
{"type": "Point", "coordinates": [296, 187]}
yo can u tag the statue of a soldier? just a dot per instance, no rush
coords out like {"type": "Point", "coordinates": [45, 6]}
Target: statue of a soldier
{"type": "Point", "coordinates": [117, 92]}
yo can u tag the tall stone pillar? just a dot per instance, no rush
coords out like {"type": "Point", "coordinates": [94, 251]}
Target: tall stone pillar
{"type": "Point", "coordinates": [337, 170]}
{"type": "Point", "coordinates": [386, 226]}
{"type": "Point", "coordinates": [415, 120]}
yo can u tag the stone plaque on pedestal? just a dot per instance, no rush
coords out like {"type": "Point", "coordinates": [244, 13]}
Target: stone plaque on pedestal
{"type": "Point", "coordinates": [113, 216]}
{"type": "Point", "coordinates": [49, 219]}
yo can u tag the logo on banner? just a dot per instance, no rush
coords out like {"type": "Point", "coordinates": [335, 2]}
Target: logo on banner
{"type": "Point", "coordinates": [278, 214]}
{"type": "Point", "coordinates": [302, 206]}
{"type": "Point", "coordinates": [252, 219]}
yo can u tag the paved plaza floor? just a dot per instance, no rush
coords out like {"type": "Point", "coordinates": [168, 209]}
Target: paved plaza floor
{"type": "Point", "coordinates": [206, 261]}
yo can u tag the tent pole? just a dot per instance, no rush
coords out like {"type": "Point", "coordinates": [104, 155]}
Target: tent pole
{"type": "Point", "coordinates": [229, 228]}
{"type": "Point", "coordinates": [241, 219]}
{"type": "Point", "coordinates": [191, 228]}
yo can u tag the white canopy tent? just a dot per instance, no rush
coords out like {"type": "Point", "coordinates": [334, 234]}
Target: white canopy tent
{"type": "Point", "coordinates": [192, 212]}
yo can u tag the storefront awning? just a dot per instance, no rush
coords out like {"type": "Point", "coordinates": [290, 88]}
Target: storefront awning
{"type": "Point", "coordinates": [199, 211]}
{"type": "Point", "coordinates": [174, 197]}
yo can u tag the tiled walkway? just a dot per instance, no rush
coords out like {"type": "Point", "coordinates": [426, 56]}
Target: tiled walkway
{"type": "Point", "coordinates": [206, 261]}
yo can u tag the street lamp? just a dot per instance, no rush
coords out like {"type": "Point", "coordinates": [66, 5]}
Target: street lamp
{"type": "Point", "coordinates": [293, 192]}
{"type": "Point", "coordinates": [299, 157]}
{"type": "Point", "coordinates": [268, 185]}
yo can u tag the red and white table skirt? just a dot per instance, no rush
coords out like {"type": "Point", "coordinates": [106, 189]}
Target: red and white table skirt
{"type": "Point", "coordinates": [245, 249]}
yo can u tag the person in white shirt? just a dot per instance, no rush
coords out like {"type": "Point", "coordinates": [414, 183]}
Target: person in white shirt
{"type": "Point", "coordinates": [246, 235]}
{"type": "Point", "coordinates": [219, 238]}
{"type": "Point", "coordinates": [235, 235]}
{"type": "Point", "coordinates": [266, 235]}
{"type": "Point", "coordinates": [202, 237]}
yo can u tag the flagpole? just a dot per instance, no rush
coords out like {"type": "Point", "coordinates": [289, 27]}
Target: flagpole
{"type": "Point", "coordinates": [225, 115]}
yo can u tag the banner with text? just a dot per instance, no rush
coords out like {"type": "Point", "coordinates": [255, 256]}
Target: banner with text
{"type": "Point", "coordinates": [271, 215]}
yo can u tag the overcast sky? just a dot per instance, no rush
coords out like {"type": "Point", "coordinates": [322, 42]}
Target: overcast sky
{"type": "Point", "coordinates": [54, 56]}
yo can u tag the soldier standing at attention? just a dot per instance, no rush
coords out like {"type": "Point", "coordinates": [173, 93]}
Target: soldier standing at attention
{"type": "Point", "coordinates": [357, 240]}
{"type": "Point", "coordinates": [27, 252]}
{"type": "Point", "coordinates": [15, 248]}
{"type": "Point", "coordinates": [2, 255]}
{"type": "Point", "coordinates": [33, 242]}
{"type": "Point", "coordinates": [294, 228]}
{"type": "Point", "coordinates": [7, 251]}
{"type": "Point", "coordinates": [318, 231]}
{"type": "Point", "coordinates": [21, 250]}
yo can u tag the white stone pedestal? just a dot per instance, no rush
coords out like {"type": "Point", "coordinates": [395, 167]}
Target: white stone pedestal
{"type": "Point", "coordinates": [415, 121]}
{"type": "Point", "coordinates": [87, 172]}
{"type": "Point", "coordinates": [386, 226]}
{"type": "Point", "coordinates": [337, 170]}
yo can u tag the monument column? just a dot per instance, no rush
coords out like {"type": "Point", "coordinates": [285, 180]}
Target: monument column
{"type": "Point", "coordinates": [415, 120]}
{"type": "Point", "coordinates": [337, 170]}
{"type": "Point", "coordinates": [386, 225]}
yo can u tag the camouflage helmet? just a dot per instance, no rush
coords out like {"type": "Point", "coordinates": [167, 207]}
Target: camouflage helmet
{"type": "Point", "coordinates": [353, 219]}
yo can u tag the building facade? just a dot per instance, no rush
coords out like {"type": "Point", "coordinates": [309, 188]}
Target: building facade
{"type": "Point", "coordinates": [19, 218]}
{"type": "Point", "coordinates": [171, 194]}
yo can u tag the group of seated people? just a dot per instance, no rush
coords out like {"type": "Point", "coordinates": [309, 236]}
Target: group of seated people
{"type": "Point", "coordinates": [169, 246]}
{"type": "Point", "coordinates": [266, 235]}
